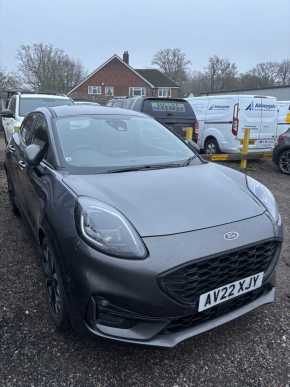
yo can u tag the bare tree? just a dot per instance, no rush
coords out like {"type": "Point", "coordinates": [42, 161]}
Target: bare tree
{"type": "Point", "coordinates": [173, 62]}
{"type": "Point", "coordinates": [9, 80]}
{"type": "Point", "coordinates": [283, 72]}
{"type": "Point", "coordinates": [265, 73]}
{"type": "Point", "coordinates": [48, 69]}
{"type": "Point", "coordinates": [221, 73]}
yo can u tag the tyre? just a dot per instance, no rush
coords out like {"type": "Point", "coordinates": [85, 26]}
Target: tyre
{"type": "Point", "coordinates": [284, 161]}
{"type": "Point", "coordinates": [57, 302]}
{"type": "Point", "coordinates": [211, 146]}
{"type": "Point", "coordinates": [11, 195]}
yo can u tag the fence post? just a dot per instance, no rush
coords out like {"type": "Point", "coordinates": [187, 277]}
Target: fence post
{"type": "Point", "coordinates": [245, 149]}
{"type": "Point", "coordinates": [189, 133]}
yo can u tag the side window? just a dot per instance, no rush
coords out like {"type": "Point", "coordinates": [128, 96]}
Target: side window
{"type": "Point", "coordinates": [26, 129]}
{"type": "Point", "coordinates": [12, 104]}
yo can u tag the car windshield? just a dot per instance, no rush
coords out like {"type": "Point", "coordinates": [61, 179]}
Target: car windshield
{"type": "Point", "coordinates": [119, 142]}
{"type": "Point", "coordinates": [27, 104]}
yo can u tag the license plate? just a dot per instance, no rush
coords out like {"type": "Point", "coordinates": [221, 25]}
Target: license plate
{"type": "Point", "coordinates": [229, 291]}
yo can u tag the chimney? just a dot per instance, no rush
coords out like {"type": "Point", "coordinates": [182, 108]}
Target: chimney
{"type": "Point", "coordinates": [126, 57]}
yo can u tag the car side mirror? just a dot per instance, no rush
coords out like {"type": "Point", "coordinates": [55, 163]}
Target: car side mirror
{"type": "Point", "coordinates": [7, 114]}
{"type": "Point", "coordinates": [34, 154]}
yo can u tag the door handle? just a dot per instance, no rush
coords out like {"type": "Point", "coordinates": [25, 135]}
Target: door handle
{"type": "Point", "coordinates": [21, 164]}
{"type": "Point", "coordinates": [11, 148]}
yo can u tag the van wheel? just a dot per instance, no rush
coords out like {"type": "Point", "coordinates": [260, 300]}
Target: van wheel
{"type": "Point", "coordinates": [284, 161]}
{"type": "Point", "coordinates": [57, 302]}
{"type": "Point", "coordinates": [211, 146]}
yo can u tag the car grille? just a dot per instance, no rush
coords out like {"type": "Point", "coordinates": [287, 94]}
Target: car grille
{"type": "Point", "coordinates": [215, 312]}
{"type": "Point", "coordinates": [185, 284]}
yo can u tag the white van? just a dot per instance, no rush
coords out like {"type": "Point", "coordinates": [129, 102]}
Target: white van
{"type": "Point", "coordinates": [222, 120]}
{"type": "Point", "coordinates": [21, 104]}
{"type": "Point", "coordinates": [283, 120]}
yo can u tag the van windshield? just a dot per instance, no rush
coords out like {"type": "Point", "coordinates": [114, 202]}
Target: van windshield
{"type": "Point", "coordinates": [28, 105]}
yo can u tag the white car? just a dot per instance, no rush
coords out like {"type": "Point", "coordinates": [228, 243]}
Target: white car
{"type": "Point", "coordinates": [20, 105]}
{"type": "Point", "coordinates": [223, 119]}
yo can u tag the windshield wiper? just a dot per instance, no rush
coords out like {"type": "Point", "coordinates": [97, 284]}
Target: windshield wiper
{"type": "Point", "coordinates": [147, 167]}
{"type": "Point", "coordinates": [189, 160]}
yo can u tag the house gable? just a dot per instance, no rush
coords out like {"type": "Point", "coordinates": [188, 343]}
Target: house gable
{"type": "Point", "coordinates": [113, 71]}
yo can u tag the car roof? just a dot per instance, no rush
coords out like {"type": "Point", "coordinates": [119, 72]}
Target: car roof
{"type": "Point", "coordinates": [219, 96]}
{"type": "Point", "coordinates": [27, 95]}
{"type": "Point", "coordinates": [76, 110]}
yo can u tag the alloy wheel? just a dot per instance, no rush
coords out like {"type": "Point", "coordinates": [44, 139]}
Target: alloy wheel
{"type": "Point", "coordinates": [52, 280]}
{"type": "Point", "coordinates": [211, 148]}
{"type": "Point", "coordinates": [284, 162]}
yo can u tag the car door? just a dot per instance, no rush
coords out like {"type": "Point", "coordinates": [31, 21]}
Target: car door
{"type": "Point", "coordinates": [14, 158]}
{"type": "Point", "coordinates": [35, 180]}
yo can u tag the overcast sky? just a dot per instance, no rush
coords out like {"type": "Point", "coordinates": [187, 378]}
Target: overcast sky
{"type": "Point", "coordinates": [244, 31]}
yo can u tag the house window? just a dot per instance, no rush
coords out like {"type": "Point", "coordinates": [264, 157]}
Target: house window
{"type": "Point", "coordinates": [94, 90]}
{"type": "Point", "coordinates": [164, 92]}
{"type": "Point", "coordinates": [109, 90]}
{"type": "Point", "coordinates": [137, 91]}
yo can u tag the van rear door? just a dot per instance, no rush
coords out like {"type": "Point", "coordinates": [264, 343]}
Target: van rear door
{"type": "Point", "coordinates": [268, 108]}
{"type": "Point", "coordinates": [199, 106]}
{"type": "Point", "coordinates": [175, 114]}
{"type": "Point", "coordinates": [283, 121]}
{"type": "Point", "coordinates": [249, 117]}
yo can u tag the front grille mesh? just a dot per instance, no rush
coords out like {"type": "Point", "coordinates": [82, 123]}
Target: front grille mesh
{"type": "Point", "coordinates": [185, 284]}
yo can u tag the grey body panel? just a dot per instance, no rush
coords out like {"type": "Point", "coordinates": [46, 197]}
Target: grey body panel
{"type": "Point", "coordinates": [175, 200]}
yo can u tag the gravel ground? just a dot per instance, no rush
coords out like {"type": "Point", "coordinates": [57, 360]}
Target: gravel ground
{"type": "Point", "coordinates": [251, 351]}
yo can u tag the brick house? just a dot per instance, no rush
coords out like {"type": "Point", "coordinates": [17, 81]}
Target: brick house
{"type": "Point", "coordinates": [116, 78]}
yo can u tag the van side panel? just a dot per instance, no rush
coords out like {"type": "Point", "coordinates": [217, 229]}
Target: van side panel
{"type": "Point", "coordinates": [218, 122]}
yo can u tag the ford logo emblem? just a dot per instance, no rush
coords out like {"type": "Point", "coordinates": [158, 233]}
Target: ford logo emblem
{"type": "Point", "coordinates": [231, 235]}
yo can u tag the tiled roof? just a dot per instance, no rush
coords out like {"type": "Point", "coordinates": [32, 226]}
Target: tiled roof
{"type": "Point", "coordinates": [156, 77]}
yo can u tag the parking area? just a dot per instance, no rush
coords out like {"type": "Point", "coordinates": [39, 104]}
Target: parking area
{"type": "Point", "coordinates": [251, 351]}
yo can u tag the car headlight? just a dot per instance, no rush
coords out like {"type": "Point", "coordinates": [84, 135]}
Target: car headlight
{"type": "Point", "coordinates": [107, 230]}
{"type": "Point", "coordinates": [265, 196]}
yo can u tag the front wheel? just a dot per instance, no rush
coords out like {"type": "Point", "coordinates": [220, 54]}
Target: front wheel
{"type": "Point", "coordinates": [211, 146]}
{"type": "Point", "coordinates": [55, 287]}
{"type": "Point", "coordinates": [284, 161]}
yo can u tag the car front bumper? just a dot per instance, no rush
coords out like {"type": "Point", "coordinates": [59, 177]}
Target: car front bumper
{"type": "Point", "coordinates": [122, 299]}
{"type": "Point", "coordinates": [156, 334]}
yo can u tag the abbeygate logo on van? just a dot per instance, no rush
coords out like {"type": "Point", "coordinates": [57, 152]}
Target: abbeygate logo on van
{"type": "Point", "coordinates": [260, 106]}
{"type": "Point", "coordinates": [218, 107]}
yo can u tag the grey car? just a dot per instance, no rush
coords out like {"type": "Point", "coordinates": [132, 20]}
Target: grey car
{"type": "Point", "coordinates": [140, 239]}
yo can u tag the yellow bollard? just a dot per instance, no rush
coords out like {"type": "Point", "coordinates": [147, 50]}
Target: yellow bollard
{"type": "Point", "coordinates": [188, 133]}
{"type": "Point", "coordinates": [245, 149]}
